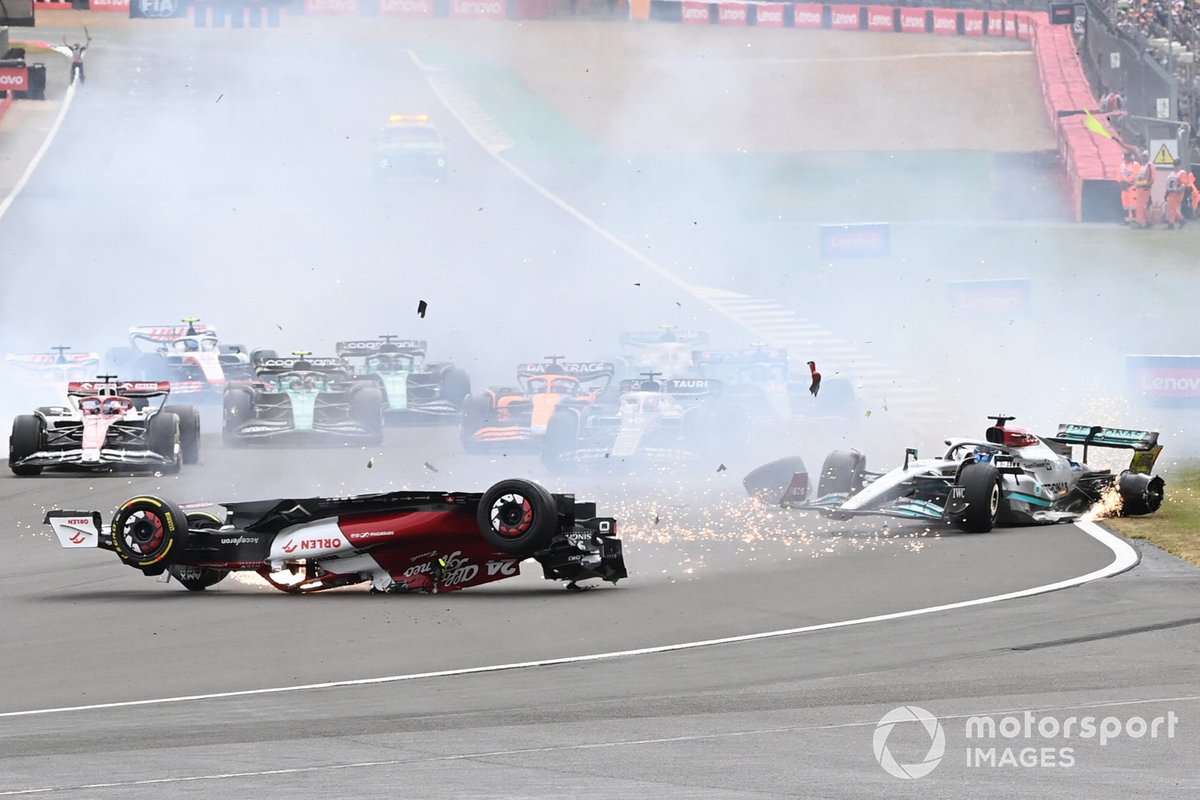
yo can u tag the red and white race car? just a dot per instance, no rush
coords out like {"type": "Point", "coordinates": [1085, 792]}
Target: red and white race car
{"type": "Point", "coordinates": [189, 356]}
{"type": "Point", "coordinates": [107, 425]}
{"type": "Point", "coordinates": [396, 541]}
{"type": "Point", "coordinates": [56, 367]}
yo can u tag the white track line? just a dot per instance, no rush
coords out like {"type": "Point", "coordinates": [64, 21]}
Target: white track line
{"type": "Point", "coordinates": [41, 151]}
{"type": "Point", "coordinates": [1124, 557]}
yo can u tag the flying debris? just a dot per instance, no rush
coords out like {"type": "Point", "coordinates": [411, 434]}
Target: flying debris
{"type": "Point", "coordinates": [815, 386]}
{"type": "Point", "coordinates": [421, 306]}
{"type": "Point", "coordinates": [721, 468]}
{"type": "Point", "coordinates": [370, 463]}
{"type": "Point", "coordinates": [430, 467]}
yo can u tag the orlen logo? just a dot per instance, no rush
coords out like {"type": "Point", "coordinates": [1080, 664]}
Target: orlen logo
{"type": "Point", "coordinates": [78, 537]}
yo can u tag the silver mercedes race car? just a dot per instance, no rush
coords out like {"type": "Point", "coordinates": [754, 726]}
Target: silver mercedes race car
{"type": "Point", "coordinates": [1010, 477]}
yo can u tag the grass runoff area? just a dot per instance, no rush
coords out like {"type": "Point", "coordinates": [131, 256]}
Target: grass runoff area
{"type": "Point", "coordinates": [1176, 526]}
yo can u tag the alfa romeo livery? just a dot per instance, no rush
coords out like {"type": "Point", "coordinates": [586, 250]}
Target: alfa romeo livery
{"type": "Point", "coordinates": [395, 542]}
{"type": "Point", "coordinates": [108, 425]}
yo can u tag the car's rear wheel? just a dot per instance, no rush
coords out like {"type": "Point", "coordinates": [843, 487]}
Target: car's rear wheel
{"type": "Point", "coordinates": [1140, 494]}
{"type": "Point", "coordinates": [456, 385]}
{"type": "Point", "coordinates": [366, 407]}
{"type": "Point", "coordinates": [163, 437]}
{"type": "Point", "coordinates": [983, 495]}
{"type": "Point", "coordinates": [149, 534]}
{"type": "Point", "coordinates": [238, 409]}
{"type": "Point", "coordinates": [28, 435]}
{"type": "Point", "coordinates": [517, 517]}
{"type": "Point", "coordinates": [189, 431]}
{"type": "Point", "coordinates": [197, 579]}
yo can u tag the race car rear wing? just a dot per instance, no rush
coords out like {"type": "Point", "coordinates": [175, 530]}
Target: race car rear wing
{"type": "Point", "coordinates": [685, 387]}
{"type": "Point", "coordinates": [649, 338]}
{"type": "Point", "coordinates": [1143, 443]}
{"type": "Point", "coordinates": [166, 333]}
{"type": "Point", "coordinates": [583, 370]}
{"type": "Point", "coordinates": [369, 347]}
{"type": "Point", "coordinates": [123, 388]}
{"type": "Point", "coordinates": [42, 360]}
{"type": "Point", "coordinates": [300, 364]}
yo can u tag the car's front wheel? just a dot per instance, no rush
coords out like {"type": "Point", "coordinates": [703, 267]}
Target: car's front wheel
{"type": "Point", "coordinates": [981, 483]}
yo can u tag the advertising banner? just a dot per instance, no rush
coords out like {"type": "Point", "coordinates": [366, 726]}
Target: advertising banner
{"type": "Point", "coordinates": [331, 8]}
{"type": "Point", "coordinates": [157, 9]}
{"type": "Point", "coordinates": [881, 18]}
{"type": "Point", "coordinates": [996, 23]}
{"type": "Point", "coordinates": [912, 20]}
{"type": "Point", "coordinates": [1011, 297]}
{"type": "Point", "coordinates": [14, 79]}
{"type": "Point", "coordinates": [973, 23]}
{"type": "Point", "coordinates": [844, 18]}
{"type": "Point", "coordinates": [732, 13]}
{"type": "Point", "coordinates": [695, 13]}
{"type": "Point", "coordinates": [769, 15]}
{"type": "Point", "coordinates": [945, 21]}
{"type": "Point", "coordinates": [861, 240]}
{"type": "Point", "coordinates": [110, 5]}
{"type": "Point", "coordinates": [1165, 381]}
{"type": "Point", "coordinates": [410, 9]}
{"type": "Point", "coordinates": [807, 15]}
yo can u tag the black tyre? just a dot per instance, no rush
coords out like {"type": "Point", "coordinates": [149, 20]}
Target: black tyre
{"type": "Point", "coordinates": [366, 407]}
{"type": "Point", "coordinates": [149, 534]}
{"type": "Point", "coordinates": [1140, 494]}
{"type": "Point", "coordinates": [561, 441]}
{"type": "Point", "coordinates": [197, 579]}
{"type": "Point", "coordinates": [983, 496]}
{"type": "Point", "coordinates": [189, 431]}
{"type": "Point", "coordinates": [238, 409]}
{"type": "Point", "coordinates": [27, 438]}
{"type": "Point", "coordinates": [162, 434]}
{"type": "Point", "coordinates": [771, 481]}
{"type": "Point", "coordinates": [477, 413]}
{"type": "Point", "coordinates": [456, 385]}
{"type": "Point", "coordinates": [260, 355]}
{"type": "Point", "coordinates": [842, 473]}
{"type": "Point", "coordinates": [517, 517]}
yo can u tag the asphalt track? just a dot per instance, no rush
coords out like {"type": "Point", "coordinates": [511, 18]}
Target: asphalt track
{"type": "Point", "coordinates": [786, 716]}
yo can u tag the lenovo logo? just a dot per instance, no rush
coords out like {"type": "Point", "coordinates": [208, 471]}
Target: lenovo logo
{"type": "Point", "coordinates": [12, 80]}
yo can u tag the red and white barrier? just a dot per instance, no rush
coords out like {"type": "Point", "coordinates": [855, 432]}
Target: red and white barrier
{"type": "Point", "coordinates": [973, 23]}
{"type": "Point", "coordinates": [121, 6]}
{"type": "Point", "coordinates": [331, 8]}
{"type": "Point", "coordinates": [733, 14]}
{"type": "Point", "coordinates": [912, 20]}
{"type": "Point", "coordinates": [695, 13]}
{"type": "Point", "coordinates": [769, 15]}
{"type": "Point", "coordinates": [945, 22]}
{"type": "Point", "coordinates": [806, 15]}
{"type": "Point", "coordinates": [844, 18]}
{"type": "Point", "coordinates": [881, 18]}
{"type": "Point", "coordinates": [408, 9]}
{"type": "Point", "coordinates": [14, 79]}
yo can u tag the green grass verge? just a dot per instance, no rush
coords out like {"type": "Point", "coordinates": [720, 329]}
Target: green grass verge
{"type": "Point", "coordinates": [1176, 527]}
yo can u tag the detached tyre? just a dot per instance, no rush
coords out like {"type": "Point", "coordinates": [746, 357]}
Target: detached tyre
{"type": "Point", "coordinates": [28, 435]}
{"type": "Point", "coordinates": [189, 431]}
{"type": "Point", "coordinates": [197, 579]}
{"type": "Point", "coordinates": [162, 434]}
{"type": "Point", "coordinates": [517, 517]}
{"type": "Point", "coordinates": [983, 496]}
{"type": "Point", "coordinates": [149, 534]}
{"type": "Point", "coordinates": [1140, 494]}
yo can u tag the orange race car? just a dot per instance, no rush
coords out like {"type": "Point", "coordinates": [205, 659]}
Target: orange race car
{"type": "Point", "coordinates": [504, 416]}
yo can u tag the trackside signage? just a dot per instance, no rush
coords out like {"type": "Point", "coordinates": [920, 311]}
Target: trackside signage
{"type": "Point", "coordinates": [331, 8]}
{"type": "Point", "coordinates": [912, 20]}
{"type": "Point", "coordinates": [1010, 297]}
{"type": "Point", "coordinates": [14, 79]}
{"type": "Point", "coordinates": [110, 5]}
{"type": "Point", "coordinates": [769, 15]}
{"type": "Point", "coordinates": [694, 13]}
{"type": "Point", "coordinates": [1164, 381]}
{"type": "Point", "coordinates": [807, 15]}
{"type": "Point", "coordinates": [881, 18]}
{"type": "Point", "coordinates": [732, 13]}
{"type": "Point", "coordinates": [406, 8]}
{"type": "Point", "coordinates": [843, 18]}
{"type": "Point", "coordinates": [478, 9]}
{"type": "Point", "coordinates": [863, 240]}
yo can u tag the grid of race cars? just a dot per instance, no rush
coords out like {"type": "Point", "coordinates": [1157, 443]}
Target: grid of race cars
{"type": "Point", "coordinates": [669, 399]}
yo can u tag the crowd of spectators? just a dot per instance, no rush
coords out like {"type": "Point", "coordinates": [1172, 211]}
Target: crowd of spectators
{"type": "Point", "coordinates": [1178, 23]}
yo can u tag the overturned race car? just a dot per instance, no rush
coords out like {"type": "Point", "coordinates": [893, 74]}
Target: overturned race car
{"type": "Point", "coordinates": [396, 541]}
{"type": "Point", "coordinates": [1010, 477]}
